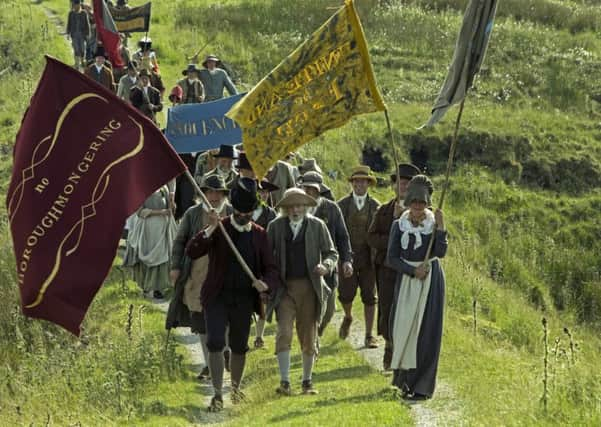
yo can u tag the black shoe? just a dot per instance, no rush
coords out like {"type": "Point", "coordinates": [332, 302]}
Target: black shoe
{"type": "Point", "coordinates": [157, 295]}
{"type": "Point", "coordinates": [204, 374]}
{"type": "Point", "coordinates": [308, 387]}
{"type": "Point", "coordinates": [284, 389]}
{"type": "Point", "coordinates": [216, 404]}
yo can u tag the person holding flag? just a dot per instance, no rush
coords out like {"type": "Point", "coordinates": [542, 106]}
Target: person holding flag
{"type": "Point", "coordinates": [229, 296]}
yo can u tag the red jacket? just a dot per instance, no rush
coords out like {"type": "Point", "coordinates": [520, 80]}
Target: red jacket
{"type": "Point", "coordinates": [219, 252]}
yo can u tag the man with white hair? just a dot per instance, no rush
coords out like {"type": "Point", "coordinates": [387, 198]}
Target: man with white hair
{"type": "Point", "coordinates": [304, 254]}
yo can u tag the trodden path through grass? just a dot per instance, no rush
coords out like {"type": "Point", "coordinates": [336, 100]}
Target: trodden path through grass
{"type": "Point", "coordinates": [425, 413]}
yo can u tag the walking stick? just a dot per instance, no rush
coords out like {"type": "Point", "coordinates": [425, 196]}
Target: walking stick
{"type": "Point", "coordinates": [207, 208]}
{"type": "Point", "coordinates": [445, 186]}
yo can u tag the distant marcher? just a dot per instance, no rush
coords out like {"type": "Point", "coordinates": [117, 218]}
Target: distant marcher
{"type": "Point", "coordinates": [187, 275]}
{"type": "Point", "coordinates": [147, 59]}
{"type": "Point", "coordinates": [229, 296]}
{"type": "Point", "coordinates": [358, 210]}
{"type": "Point", "coordinates": [377, 238]}
{"type": "Point", "coordinates": [192, 88]}
{"type": "Point", "coordinates": [310, 165]}
{"type": "Point", "coordinates": [225, 164]}
{"type": "Point", "coordinates": [205, 161]}
{"type": "Point", "coordinates": [150, 241]}
{"type": "Point", "coordinates": [99, 72]}
{"type": "Point", "coordinates": [146, 98]}
{"type": "Point", "coordinates": [176, 96]}
{"type": "Point", "coordinates": [128, 81]}
{"type": "Point", "coordinates": [78, 30]}
{"type": "Point", "coordinates": [304, 255]}
{"type": "Point", "coordinates": [215, 79]}
{"type": "Point", "coordinates": [282, 175]}
{"type": "Point", "coordinates": [420, 288]}
{"type": "Point", "coordinates": [329, 212]}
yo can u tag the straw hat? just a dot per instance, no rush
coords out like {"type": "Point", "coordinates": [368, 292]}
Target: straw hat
{"type": "Point", "coordinates": [363, 172]}
{"type": "Point", "coordinates": [294, 197]}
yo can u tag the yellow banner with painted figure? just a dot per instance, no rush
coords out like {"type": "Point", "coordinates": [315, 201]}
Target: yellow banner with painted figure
{"type": "Point", "coordinates": [320, 86]}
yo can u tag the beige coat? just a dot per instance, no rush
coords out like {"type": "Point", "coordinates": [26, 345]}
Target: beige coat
{"type": "Point", "coordinates": [319, 248]}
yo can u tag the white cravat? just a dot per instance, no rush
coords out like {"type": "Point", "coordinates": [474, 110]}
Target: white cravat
{"type": "Point", "coordinates": [133, 80]}
{"type": "Point", "coordinates": [240, 228]}
{"type": "Point", "coordinates": [146, 90]}
{"type": "Point", "coordinates": [407, 228]}
{"type": "Point", "coordinates": [99, 69]}
{"type": "Point", "coordinates": [359, 201]}
{"type": "Point", "coordinates": [295, 226]}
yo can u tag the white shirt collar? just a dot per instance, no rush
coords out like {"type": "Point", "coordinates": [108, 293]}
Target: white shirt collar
{"type": "Point", "coordinates": [99, 68]}
{"type": "Point", "coordinates": [240, 228]}
{"type": "Point", "coordinates": [359, 200]}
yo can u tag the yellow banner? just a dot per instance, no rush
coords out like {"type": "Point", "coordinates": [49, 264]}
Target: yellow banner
{"type": "Point", "coordinates": [320, 86]}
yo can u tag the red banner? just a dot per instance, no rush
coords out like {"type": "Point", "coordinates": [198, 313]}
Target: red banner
{"type": "Point", "coordinates": [84, 161]}
{"type": "Point", "coordinates": [107, 33]}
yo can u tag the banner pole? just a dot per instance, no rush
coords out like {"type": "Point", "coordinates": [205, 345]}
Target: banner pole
{"type": "Point", "coordinates": [207, 208]}
{"type": "Point", "coordinates": [392, 143]}
{"type": "Point", "coordinates": [446, 184]}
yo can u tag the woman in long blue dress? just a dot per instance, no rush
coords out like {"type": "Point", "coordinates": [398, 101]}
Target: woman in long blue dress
{"type": "Point", "coordinates": [419, 294]}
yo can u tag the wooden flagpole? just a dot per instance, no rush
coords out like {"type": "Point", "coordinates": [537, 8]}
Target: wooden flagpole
{"type": "Point", "coordinates": [207, 208]}
{"type": "Point", "coordinates": [392, 144]}
{"type": "Point", "coordinates": [446, 184]}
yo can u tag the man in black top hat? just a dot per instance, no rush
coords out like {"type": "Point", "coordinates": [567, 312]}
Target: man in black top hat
{"type": "Point", "coordinates": [229, 296]}
{"type": "Point", "coordinates": [99, 72]}
{"type": "Point", "coordinates": [146, 98]}
{"type": "Point", "coordinates": [377, 238]}
{"type": "Point", "coordinates": [225, 160]}
{"type": "Point", "coordinates": [193, 90]}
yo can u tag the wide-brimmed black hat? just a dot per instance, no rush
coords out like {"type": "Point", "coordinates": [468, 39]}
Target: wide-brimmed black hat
{"type": "Point", "coordinates": [267, 186]}
{"type": "Point", "coordinates": [192, 68]}
{"type": "Point", "coordinates": [243, 162]}
{"type": "Point", "coordinates": [226, 151]}
{"type": "Point", "coordinates": [213, 182]}
{"type": "Point", "coordinates": [407, 171]}
{"type": "Point", "coordinates": [243, 196]}
{"type": "Point", "coordinates": [211, 58]}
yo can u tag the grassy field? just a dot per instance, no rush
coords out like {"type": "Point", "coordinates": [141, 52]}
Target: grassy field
{"type": "Point", "coordinates": [522, 214]}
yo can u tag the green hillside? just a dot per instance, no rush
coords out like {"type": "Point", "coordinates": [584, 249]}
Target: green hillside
{"type": "Point", "coordinates": [523, 213]}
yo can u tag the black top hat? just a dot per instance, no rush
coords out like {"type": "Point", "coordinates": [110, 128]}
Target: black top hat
{"type": "Point", "coordinates": [406, 170]}
{"type": "Point", "coordinates": [226, 151]}
{"type": "Point", "coordinates": [191, 68]}
{"type": "Point", "coordinates": [132, 65]}
{"type": "Point", "coordinates": [213, 182]}
{"type": "Point", "coordinates": [243, 162]}
{"type": "Point", "coordinates": [244, 195]}
{"type": "Point", "coordinates": [268, 186]}
{"type": "Point", "coordinates": [211, 58]}
{"type": "Point", "coordinates": [100, 52]}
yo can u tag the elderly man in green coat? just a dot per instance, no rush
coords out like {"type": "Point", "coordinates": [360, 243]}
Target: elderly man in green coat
{"type": "Point", "coordinates": [305, 254]}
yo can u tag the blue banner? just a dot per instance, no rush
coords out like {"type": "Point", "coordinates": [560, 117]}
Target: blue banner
{"type": "Point", "coordinates": [200, 127]}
